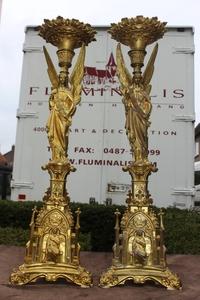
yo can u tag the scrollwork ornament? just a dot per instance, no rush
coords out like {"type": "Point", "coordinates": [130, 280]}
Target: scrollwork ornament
{"type": "Point", "coordinates": [108, 279]}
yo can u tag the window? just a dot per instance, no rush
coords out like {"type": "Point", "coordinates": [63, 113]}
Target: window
{"type": "Point", "coordinates": [197, 178]}
{"type": "Point", "coordinates": [196, 149]}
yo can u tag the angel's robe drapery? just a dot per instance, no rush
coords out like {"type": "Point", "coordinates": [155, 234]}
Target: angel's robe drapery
{"type": "Point", "coordinates": [138, 108]}
{"type": "Point", "coordinates": [61, 110]}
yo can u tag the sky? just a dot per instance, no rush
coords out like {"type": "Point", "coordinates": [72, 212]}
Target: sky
{"type": "Point", "coordinates": [16, 15]}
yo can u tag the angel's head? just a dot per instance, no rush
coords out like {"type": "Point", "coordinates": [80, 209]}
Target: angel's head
{"type": "Point", "coordinates": [63, 79]}
{"type": "Point", "coordinates": [137, 78]}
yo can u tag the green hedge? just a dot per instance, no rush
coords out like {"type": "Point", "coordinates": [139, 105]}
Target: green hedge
{"type": "Point", "coordinates": [16, 214]}
{"type": "Point", "coordinates": [182, 227]}
{"type": "Point", "coordinates": [182, 231]}
{"type": "Point", "coordinates": [14, 236]}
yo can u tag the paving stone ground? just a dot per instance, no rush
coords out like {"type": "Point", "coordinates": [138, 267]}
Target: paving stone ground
{"type": "Point", "coordinates": [187, 266]}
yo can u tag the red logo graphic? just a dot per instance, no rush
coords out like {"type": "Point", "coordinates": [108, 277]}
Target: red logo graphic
{"type": "Point", "coordinates": [95, 76]}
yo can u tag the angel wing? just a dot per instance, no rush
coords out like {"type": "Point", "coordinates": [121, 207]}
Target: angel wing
{"type": "Point", "coordinates": [77, 76]}
{"type": "Point", "coordinates": [148, 73]}
{"type": "Point", "coordinates": [122, 72]}
{"type": "Point", "coordinates": [51, 69]}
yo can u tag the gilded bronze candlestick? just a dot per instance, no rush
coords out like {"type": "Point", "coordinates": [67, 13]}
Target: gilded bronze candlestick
{"type": "Point", "coordinates": [139, 251]}
{"type": "Point", "coordinates": [53, 249]}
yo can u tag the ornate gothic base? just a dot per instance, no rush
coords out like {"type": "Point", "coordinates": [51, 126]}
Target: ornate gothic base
{"type": "Point", "coordinates": [28, 273]}
{"type": "Point", "coordinates": [53, 250]}
{"type": "Point", "coordinates": [139, 251]}
{"type": "Point", "coordinates": [119, 275]}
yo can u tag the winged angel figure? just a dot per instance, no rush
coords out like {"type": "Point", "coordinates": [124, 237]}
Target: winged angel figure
{"type": "Point", "coordinates": [62, 104]}
{"type": "Point", "coordinates": [137, 102]}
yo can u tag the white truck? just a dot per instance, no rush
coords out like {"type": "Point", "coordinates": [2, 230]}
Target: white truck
{"type": "Point", "coordinates": [98, 145]}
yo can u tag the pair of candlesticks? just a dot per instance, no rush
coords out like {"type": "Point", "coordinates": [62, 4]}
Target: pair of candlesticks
{"type": "Point", "coordinates": [53, 249]}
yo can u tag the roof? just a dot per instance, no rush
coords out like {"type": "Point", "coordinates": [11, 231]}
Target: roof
{"type": "Point", "coordinates": [3, 160]}
{"type": "Point", "coordinates": [111, 61]}
{"type": "Point", "coordinates": [91, 71]}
